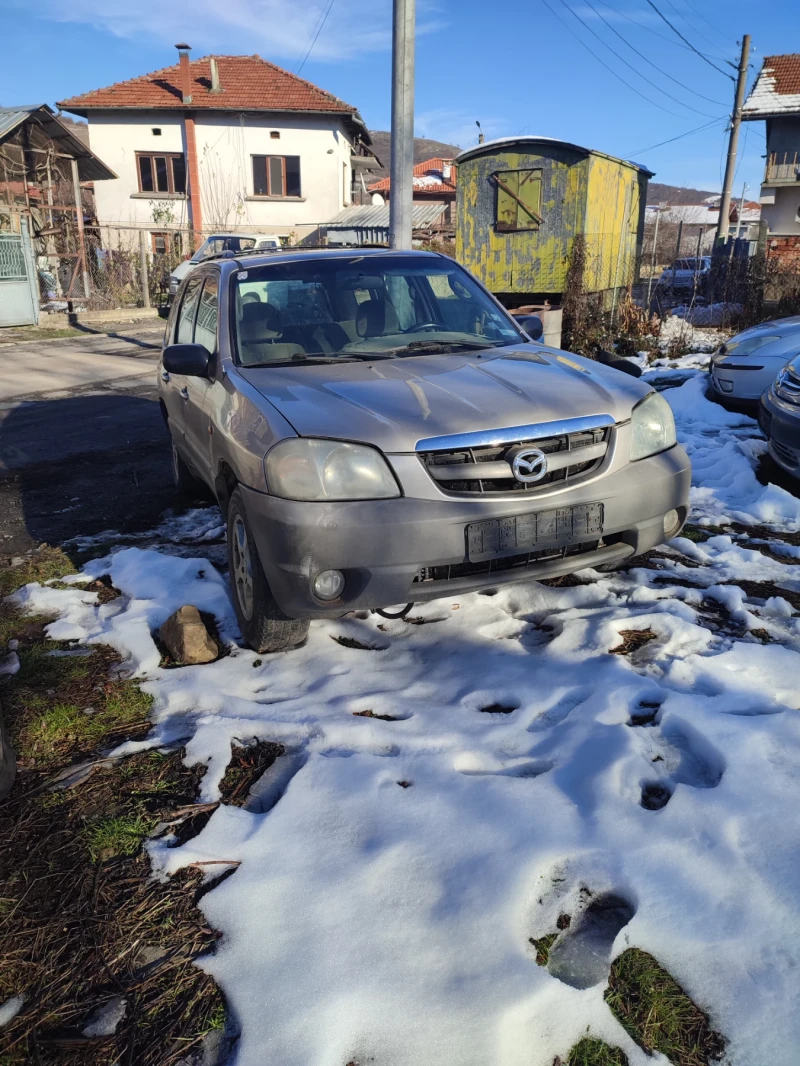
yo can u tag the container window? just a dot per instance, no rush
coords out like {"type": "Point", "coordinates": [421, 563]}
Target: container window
{"type": "Point", "coordinates": [519, 200]}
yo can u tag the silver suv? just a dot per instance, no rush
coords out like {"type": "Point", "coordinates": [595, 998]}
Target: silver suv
{"type": "Point", "coordinates": [378, 431]}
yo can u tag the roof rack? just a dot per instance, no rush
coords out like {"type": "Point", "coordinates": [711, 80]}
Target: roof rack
{"type": "Point", "coordinates": [228, 254]}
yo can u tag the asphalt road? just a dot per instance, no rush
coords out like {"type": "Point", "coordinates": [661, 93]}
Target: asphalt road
{"type": "Point", "coordinates": [88, 453]}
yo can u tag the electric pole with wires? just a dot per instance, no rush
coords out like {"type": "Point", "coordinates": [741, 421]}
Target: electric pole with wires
{"type": "Point", "coordinates": [401, 195]}
{"type": "Point", "coordinates": [733, 144]}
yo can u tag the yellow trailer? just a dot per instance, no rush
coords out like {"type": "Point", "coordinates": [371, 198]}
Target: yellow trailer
{"type": "Point", "coordinates": [522, 201]}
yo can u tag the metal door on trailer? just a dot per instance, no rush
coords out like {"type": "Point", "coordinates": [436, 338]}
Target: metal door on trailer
{"type": "Point", "coordinates": [19, 295]}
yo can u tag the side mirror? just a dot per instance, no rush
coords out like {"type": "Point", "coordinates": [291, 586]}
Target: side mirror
{"type": "Point", "coordinates": [188, 359]}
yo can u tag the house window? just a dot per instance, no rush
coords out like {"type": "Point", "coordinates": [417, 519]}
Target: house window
{"type": "Point", "coordinates": [276, 175]}
{"type": "Point", "coordinates": [167, 244]}
{"type": "Point", "coordinates": [519, 200]}
{"type": "Point", "coordinates": [275, 135]}
{"type": "Point", "coordinates": [156, 131]}
{"type": "Point", "coordinates": [161, 173]}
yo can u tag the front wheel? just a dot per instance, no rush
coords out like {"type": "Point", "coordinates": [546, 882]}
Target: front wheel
{"type": "Point", "coordinates": [263, 624]}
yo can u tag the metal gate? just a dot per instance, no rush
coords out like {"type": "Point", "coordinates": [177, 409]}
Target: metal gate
{"type": "Point", "coordinates": [19, 295]}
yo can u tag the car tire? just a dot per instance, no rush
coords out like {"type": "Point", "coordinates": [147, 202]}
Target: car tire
{"type": "Point", "coordinates": [264, 626]}
{"type": "Point", "coordinates": [186, 484]}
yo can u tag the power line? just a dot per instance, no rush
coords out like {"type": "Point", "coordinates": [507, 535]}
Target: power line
{"type": "Point", "coordinates": [701, 15]}
{"type": "Point", "coordinates": [694, 29]}
{"type": "Point", "coordinates": [603, 63]}
{"type": "Point", "coordinates": [318, 30]}
{"type": "Point", "coordinates": [648, 60]}
{"type": "Point", "coordinates": [689, 43]}
{"type": "Point", "coordinates": [680, 136]}
{"type": "Point", "coordinates": [628, 65]}
{"type": "Point", "coordinates": [648, 29]}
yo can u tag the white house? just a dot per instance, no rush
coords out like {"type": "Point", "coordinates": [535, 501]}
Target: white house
{"type": "Point", "coordinates": [230, 143]}
{"type": "Point", "coordinates": [775, 98]}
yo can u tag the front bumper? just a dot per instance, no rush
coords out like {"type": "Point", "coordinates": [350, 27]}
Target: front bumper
{"type": "Point", "coordinates": [388, 549]}
{"type": "Point", "coordinates": [780, 424]}
{"type": "Point", "coordinates": [743, 384]}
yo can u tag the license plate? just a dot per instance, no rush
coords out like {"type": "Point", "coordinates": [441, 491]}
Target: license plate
{"type": "Point", "coordinates": [545, 529]}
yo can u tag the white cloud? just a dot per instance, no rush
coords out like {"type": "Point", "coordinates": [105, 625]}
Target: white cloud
{"type": "Point", "coordinates": [279, 28]}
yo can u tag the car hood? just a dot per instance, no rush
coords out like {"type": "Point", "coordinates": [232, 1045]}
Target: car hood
{"type": "Point", "coordinates": [395, 403]}
{"type": "Point", "coordinates": [182, 269]}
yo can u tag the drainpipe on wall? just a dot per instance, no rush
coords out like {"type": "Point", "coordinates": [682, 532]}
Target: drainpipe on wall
{"type": "Point", "coordinates": [191, 145]}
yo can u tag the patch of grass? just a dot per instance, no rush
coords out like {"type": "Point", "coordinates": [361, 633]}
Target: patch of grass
{"type": "Point", "coordinates": [543, 944]}
{"type": "Point", "coordinates": [658, 1014]}
{"type": "Point", "coordinates": [116, 836]}
{"type": "Point", "coordinates": [699, 534]}
{"type": "Point", "coordinates": [593, 1052]}
{"type": "Point", "coordinates": [632, 640]}
{"type": "Point", "coordinates": [42, 565]}
{"type": "Point", "coordinates": [45, 732]}
{"type": "Point", "coordinates": [246, 766]}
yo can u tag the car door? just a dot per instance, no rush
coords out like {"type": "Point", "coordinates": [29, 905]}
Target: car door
{"type": "Point", "coordinates": [198, 425]}
{"type": "Point", "coordinates": [175, 390]}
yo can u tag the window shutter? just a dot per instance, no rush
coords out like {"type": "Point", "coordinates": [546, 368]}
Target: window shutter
{"type": "Point", "coordinates": [519, 200]}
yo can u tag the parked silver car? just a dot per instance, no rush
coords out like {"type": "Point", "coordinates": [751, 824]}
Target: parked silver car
{"type": "Point", "coordinates": [378, 431]}
{"type": "Point", "coordinates": [217, 243]}
{"type": "Point", "coordinates": [779, 417]}
{"type": "Point", "coordinates": [748, 363]}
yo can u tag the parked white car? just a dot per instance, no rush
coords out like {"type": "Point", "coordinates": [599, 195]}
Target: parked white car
{"type": "Point", "coordinates": [686, 273]}
{"type": "Point", "coordinates": [743, 367]}
{"type": "Point", "coordinates": [223, 242]}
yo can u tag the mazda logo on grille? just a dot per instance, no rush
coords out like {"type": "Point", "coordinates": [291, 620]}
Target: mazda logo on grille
{"type": "Point", "coordinates": [530, 465]}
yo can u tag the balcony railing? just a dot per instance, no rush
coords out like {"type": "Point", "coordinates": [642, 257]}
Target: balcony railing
{"type": "Point", "coordinates": [783, 167]}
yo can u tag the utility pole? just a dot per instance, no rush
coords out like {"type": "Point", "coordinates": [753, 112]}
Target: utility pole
{"type": "Point", "coordinates": [745, 187]}
{"type": "Point", "coordinates": [733, 144]}
{"type": "Point", "coordinates": [401, 197]}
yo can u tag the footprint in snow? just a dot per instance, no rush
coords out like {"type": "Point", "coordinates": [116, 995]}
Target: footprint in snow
{"type": "Point", "coordinates": [581, 956]}
{"type": "Point", "coordinates": [678, 755]}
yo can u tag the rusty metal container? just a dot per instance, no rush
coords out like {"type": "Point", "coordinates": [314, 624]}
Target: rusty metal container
{"type": "Point", "coordinates": [521, 203]}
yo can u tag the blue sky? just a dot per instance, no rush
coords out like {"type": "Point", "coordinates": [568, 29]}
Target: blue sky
{"type": "Point", "coordinates": [517, 67]}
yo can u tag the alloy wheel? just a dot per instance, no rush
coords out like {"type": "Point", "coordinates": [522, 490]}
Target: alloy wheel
{"type": "Point", "coordinates": [242, 568]}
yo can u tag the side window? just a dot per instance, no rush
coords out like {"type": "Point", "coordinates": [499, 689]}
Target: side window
{"type": "Point", "coordinates": [185, 331]}
{"type": "Point", "coordinates": [519, 200]}
{"type": "Point", "coordinates": [205, 330]}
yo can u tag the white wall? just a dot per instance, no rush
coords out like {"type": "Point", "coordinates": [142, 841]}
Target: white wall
{"type": "Point", "coordinates": [781, 217]}
{"type": "Point", "coordinates": [225, 144]}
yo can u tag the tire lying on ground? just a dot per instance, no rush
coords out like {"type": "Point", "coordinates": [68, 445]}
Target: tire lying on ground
{"type": "Point", "coordinates": [263, 624]}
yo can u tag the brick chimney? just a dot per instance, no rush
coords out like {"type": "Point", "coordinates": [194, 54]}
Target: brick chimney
{"type": "Point", "coordinates": [185, 72]}
{"type": "Point", "coordinates": [190, 139]}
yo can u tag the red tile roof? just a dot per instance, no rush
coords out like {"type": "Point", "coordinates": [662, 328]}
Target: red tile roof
{"type": "Point", "coordinates": [786, 72]}
{"type": "Point", "coordinates": [428, 169]}
{"type": "Point", "coordinates": [777, 88]}
{"type": "Point", "coordinates": [249, 83]}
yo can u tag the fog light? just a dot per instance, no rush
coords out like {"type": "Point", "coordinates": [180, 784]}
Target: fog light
{"type": "Point", "coordinates": [328, 585]}
{"type": "Point", "coordinates": [671, 522]}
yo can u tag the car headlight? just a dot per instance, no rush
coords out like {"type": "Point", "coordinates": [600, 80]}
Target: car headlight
{"type": "Point", "coordinates": [652, 427]}
{"type": "Point", "coordinates": [302, 468]}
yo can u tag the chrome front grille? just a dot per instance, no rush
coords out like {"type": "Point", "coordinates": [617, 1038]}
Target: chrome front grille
{"type": "Point", "coordinates": [486, 468]}
{"type": "Point", "coordinates": [788, 387]}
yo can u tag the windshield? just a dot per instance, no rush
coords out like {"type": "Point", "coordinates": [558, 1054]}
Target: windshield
{"type": "Point", "coordinates": [364, 307]}
{"type": "Point", "coordinates": [215, 245]}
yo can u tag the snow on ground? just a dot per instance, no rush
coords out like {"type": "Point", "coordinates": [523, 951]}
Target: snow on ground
{"type": "Point", "coordinates": [393, 872]}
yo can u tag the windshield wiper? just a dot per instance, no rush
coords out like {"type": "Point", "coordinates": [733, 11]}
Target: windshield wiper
{"type": "Point", "coordinates": [421, 347]}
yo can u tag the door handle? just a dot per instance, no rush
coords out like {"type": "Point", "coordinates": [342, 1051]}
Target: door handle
{"type": "Point", "coordinates": [185, 393]}
{"type": "Point", "coordinates": [165, 375]}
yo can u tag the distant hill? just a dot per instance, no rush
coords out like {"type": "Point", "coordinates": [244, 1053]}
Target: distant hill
{"type": "Point", "coordinates": [675, 195]}
{"type": "Point", "coordinates": [424, 148]}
